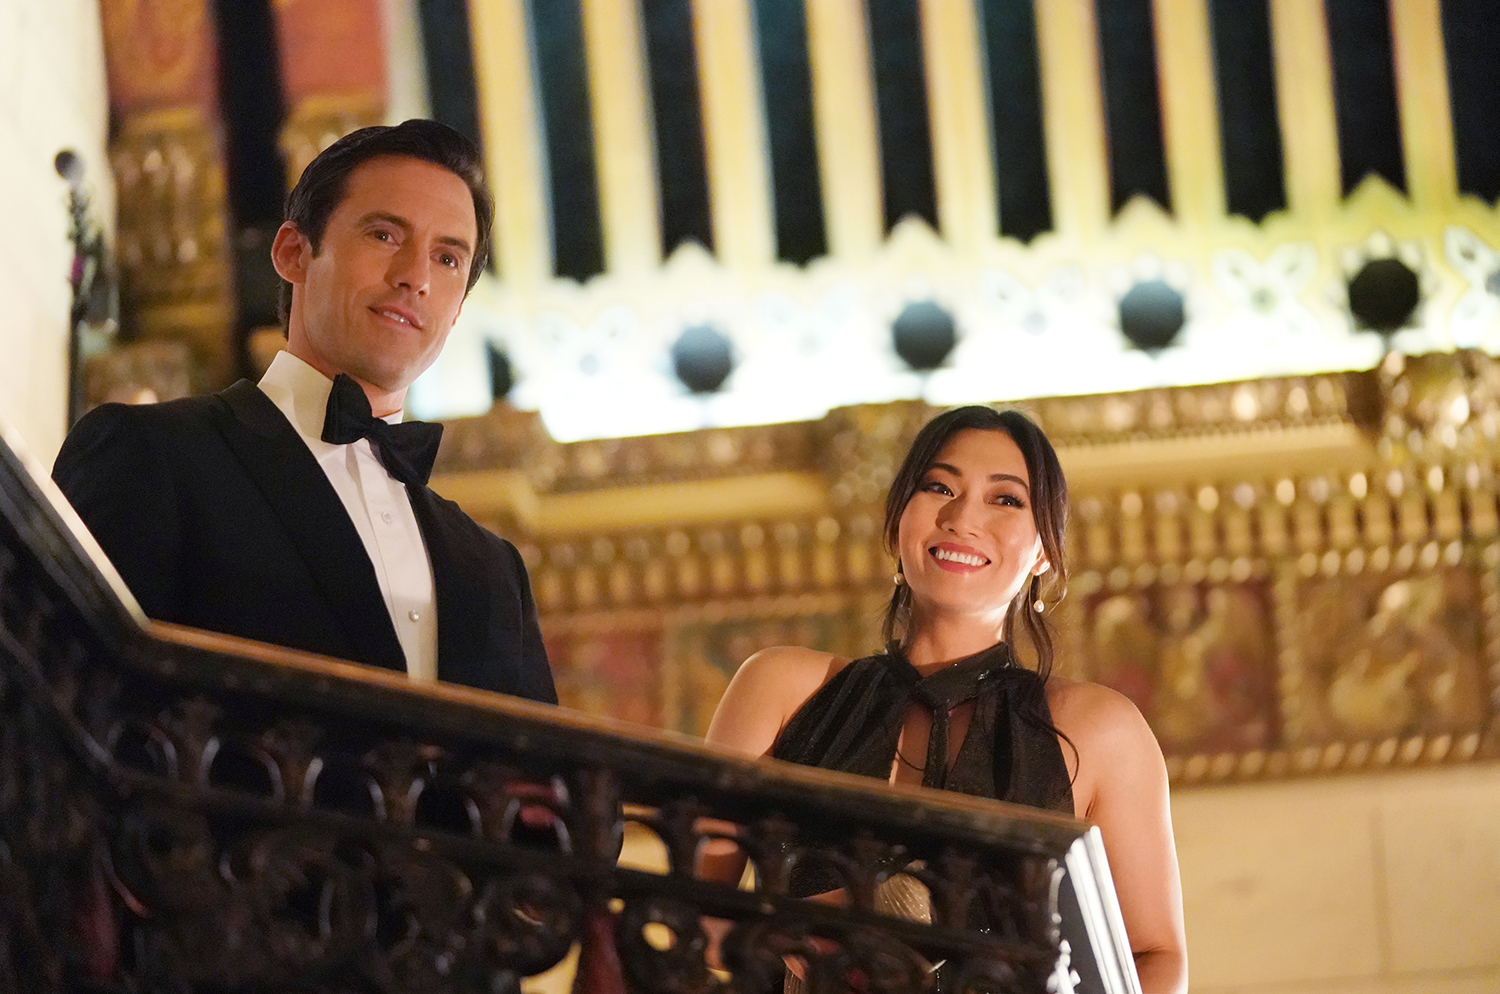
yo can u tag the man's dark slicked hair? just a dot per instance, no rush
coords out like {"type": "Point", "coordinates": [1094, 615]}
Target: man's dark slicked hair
{"type": "Point", "coordinates": [321, 189]}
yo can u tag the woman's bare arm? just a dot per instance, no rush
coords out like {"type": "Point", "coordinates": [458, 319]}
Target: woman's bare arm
{"type": "Point", "coordinates": [1121, 786]}
{"type": "Point", "coordinates": [766, 691]}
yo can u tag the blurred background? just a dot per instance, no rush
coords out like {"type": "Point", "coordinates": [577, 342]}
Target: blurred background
{"type": "Point", "coordinates": [1240, 258]}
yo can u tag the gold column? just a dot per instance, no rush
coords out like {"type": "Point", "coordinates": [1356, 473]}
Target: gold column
{"type": "Point", "coordinates": [739, 184]}
{"type": "Point", "coordinates": [1073, 116]}
{"type": "Point", "coordinates": [1422, 95]}
{"type": "Point", "coordinates": [958, 109]}
{"type": "Point", "coordinates": [843, 93]}
{"type": "Point", "coordinates": [173, 226]}
{"type": "Point", "coordinates": [628, 209]}
{"type": "Point", "coordinates": [511, 128]}
{"type": "Point", "coordinates": [1304, 98]}
{"type": "Point", "coordinates": [176, 281]}
{"type": "Point", "coordinates": [1189, 109]}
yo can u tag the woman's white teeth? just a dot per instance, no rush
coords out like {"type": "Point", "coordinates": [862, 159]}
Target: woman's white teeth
{"type": "Point", "coordinates": [959, 557]}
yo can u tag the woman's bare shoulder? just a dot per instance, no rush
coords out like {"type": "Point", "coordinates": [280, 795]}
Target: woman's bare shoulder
{"type": "Point", "coordinates": [792, 669]}
{"type": "Point", "coordinates": [1090, 712]}
{"type": "Point", "coordinates": [1068, 694]}
{"type": "Point", "coordinates": [1112, 746]}
{"type": "Point", "coordinates": [766, 690]}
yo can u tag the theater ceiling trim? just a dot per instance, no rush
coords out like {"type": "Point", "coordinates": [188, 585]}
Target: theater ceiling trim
{"type": "Point", "coordinates": [1374, 239]}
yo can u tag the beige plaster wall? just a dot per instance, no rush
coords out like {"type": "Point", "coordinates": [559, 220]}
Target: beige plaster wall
{"type": "Point", "coordinates": [52, 96]}
{"type": "Point", "coordinates": [1378, 884]}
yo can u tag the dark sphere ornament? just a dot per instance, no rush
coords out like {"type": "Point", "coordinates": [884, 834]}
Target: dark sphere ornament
{"type": "Point", "coordinates": [1152, 315]}
{"type": "Point", "coordinates": [69, 165]}
{"type": "Point", "coordinates": [502, 373]}
{"type": "Point", "coordinates": [702, 358]}
{"type": "Point", "coordinates": [923, 334]}
{"type": "Point", "coordinates": [1384, 294]}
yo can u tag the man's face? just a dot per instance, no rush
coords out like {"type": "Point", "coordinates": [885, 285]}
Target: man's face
{"type": "Point", "coordinates": [379, 298]}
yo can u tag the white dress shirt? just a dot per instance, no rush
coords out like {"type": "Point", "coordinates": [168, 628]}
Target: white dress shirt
{"type": "Point", "coordinates": [377, 504]}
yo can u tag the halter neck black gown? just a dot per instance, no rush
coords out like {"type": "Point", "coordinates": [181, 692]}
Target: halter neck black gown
{"type": "Point", "coordinates": [852, 723]}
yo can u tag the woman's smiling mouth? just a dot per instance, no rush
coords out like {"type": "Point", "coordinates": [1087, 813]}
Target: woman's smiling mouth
{"type": "Point", "coordinates": [956, 559]}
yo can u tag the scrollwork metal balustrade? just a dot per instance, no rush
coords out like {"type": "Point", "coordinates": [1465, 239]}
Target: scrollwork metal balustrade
{"type": "Point", "coordinates": [185, 812]}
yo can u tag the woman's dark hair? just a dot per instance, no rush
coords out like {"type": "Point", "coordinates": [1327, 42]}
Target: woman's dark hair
{"type": "Point", "coordinates": [1049, 508]}
{"type": "Point", "coordinates": [321, 189]}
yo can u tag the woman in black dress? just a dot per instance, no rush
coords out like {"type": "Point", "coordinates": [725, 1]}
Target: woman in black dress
{"type": "Point", "coordinates": [976, 517]}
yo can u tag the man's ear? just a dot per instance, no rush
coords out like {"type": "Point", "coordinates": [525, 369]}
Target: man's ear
{"type": "Point", "coordinates": [290, 253]}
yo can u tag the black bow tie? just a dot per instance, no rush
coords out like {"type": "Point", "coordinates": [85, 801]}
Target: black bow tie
{"type": "Point", "coordinates": [406, 450]}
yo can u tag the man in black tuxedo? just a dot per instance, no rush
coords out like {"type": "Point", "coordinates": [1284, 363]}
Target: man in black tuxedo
{"type": "Point", "coordinates": [296, 511]}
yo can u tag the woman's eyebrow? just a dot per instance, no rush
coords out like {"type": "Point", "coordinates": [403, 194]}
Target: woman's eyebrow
{"type": "Point", "coordinates": [994, 477]}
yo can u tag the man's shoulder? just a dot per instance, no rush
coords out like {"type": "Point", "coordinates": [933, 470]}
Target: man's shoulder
{"type": "Point", "coordinates": [185, 413]}
{"type": "Point", "coordinates": [112, 433]}
{"type": "Point", "coordinates": [464, 526]}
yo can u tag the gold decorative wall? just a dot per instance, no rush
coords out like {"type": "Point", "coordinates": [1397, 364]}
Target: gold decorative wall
{"type": "Point", "coordinates": [1288, 576]}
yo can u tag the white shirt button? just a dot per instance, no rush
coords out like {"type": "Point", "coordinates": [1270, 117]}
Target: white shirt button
{"type": "Point", "coordinates": [414, 615]}
{"type": "Point", "coordinates": [387, 518]}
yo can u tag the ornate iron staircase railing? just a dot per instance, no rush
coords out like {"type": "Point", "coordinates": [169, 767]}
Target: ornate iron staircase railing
{"type": "Point", "coordinates": [182, 811]}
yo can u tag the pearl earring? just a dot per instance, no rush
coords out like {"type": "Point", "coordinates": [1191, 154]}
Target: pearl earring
{"type": "Point", "coordinates": [898, 578]}
{"type": "Point", "coordinates": [1037, 605]}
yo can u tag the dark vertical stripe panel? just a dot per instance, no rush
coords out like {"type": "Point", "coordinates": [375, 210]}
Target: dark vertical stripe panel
{"type": "Point", "coordinates": [1470, 31]}
{"type": "Point", "coordinates": [448, 51]}
{"type": "Point", "coordinates": [901, 98]}
{"type": "Point", "coordinates": [1364, 92]}
{"type": "Point", "coordinates": [446, 41]}
{"type": "Point", "coordinates": [1019, 141]}
{"type": "Point", "coordinates": [1132, 102]}
{"type": "Point", "coordinates": [680, 165]}
{"type": "Point", "coordinates": [1249, 125]}
{"type": "Point", "coordinates": [250, 95]}
{"type": "Point", "coordinates": [786, 88]}
{"type": "Point", "coordinates": [562, 79]}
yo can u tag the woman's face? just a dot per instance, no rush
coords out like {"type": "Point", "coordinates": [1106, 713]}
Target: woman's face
{"type": "Point", "coordinates": [967, 538]}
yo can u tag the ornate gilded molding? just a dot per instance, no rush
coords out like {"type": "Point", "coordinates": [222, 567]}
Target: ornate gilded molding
{"type": "Point", "coordinates": [856, 449]}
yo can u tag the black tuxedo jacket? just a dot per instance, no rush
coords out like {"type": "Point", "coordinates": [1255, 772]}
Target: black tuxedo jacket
{"type": "Point", "coordinates": [218, 516]}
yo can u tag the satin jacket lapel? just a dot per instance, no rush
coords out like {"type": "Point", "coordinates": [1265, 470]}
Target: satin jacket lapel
{"type": "Point", "coordinates": [460, 587]}
{"type": "Point", "coordinates": [309, 509]}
